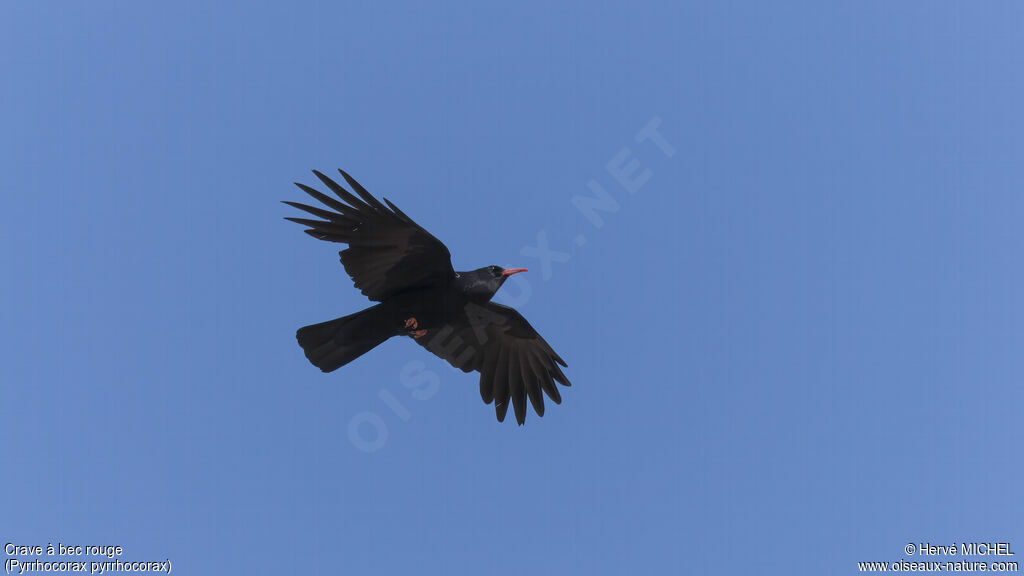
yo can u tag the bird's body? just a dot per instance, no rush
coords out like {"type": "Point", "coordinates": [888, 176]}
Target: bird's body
{"type": "Point", "coordinates": [430, 306]}
{"type": "Point", "coordinates": [398, 264]}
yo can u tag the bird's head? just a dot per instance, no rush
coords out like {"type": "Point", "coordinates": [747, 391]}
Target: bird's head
{"type": "Point", "coordinates": [484, 282]}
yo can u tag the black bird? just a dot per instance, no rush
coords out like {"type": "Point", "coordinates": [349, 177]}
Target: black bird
{"type": "Point", "coordinates": [395, 262]}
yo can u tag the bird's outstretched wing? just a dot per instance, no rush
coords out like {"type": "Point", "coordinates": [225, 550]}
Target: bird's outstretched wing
{"type": "Point", "coordinates": [514, 362]}
{"type": "Point", "coordinates": [387, 252]}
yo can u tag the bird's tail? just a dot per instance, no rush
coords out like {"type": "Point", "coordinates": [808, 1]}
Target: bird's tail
{"type": "Point", "coordinates": [332, 344]}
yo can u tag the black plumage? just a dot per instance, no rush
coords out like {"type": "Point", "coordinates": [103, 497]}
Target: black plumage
{"type": "Point", "coordinates": [394, 261]}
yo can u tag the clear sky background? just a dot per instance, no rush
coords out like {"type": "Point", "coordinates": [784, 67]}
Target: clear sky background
{"type": "Point", "coordinates": [795, 347]}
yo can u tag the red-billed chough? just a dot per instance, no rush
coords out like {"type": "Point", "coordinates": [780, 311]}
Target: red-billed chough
{"type": "Point", "coordinates": [395, 262]}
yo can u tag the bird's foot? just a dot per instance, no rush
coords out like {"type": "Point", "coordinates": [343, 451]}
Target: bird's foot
{"type": "Point", "coordinates": [412, 323]}
{"type": "Point", "coordinates": [417, 334]}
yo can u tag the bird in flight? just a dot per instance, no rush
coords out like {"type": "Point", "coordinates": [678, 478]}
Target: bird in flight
{"type": "Point", "coordinates": [395, 262]}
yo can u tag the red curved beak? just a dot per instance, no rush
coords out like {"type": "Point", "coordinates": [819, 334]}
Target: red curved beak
{"type": "Point", "coordinates": [511, 271]}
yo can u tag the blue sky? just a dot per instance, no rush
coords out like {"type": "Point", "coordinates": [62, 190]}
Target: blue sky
{"type": "Point", "coordinates": [795, 347]}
